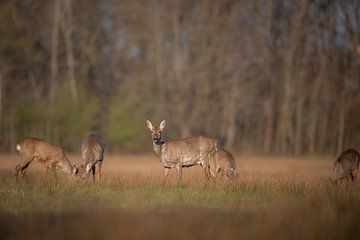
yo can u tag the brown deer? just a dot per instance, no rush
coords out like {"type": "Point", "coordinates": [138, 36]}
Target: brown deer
{"type": "Point", "coordinates": [92, 153]}
{"type": "Point", "coordinates": [223, 162]}
{"type": "Point", "coordinates": [181, 153]}
{"type": "Point", "coordinates": [346, 166]}
{"type": "Point", "coordinates": [50, 155]}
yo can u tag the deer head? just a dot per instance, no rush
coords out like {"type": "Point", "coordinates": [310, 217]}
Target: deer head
{"type": "Point", "coordinates": [75, 170]}
{"type": "Point", "coordinates": [81, 172]}
{"type": "Point", "coordinates": [156, 131]}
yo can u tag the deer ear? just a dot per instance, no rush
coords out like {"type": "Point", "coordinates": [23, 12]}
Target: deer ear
{"type": "Point", "coordinates": [149, 125]}
{"type": "Point", "coordinates": [162, 124]}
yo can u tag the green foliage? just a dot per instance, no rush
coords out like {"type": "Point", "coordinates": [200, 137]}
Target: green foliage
{"type": "Point", "coordinates": [126, 129]}
{"type": "Point", "coordinates": [71, 120]}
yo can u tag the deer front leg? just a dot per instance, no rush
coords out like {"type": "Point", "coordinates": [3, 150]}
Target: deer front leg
{"type": "Point", "coordinates": [179, 173]}
{"type": "Point", "coordinates": [166, 173]}
{"type": "Point", "coordinates": [52, 168]}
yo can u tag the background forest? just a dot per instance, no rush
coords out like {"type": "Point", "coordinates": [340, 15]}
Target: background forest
{"type": "Point", "coordinates": [262, 76]}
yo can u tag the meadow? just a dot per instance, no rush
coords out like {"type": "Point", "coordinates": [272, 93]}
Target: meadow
{"type": "Point", "coordinates": [273, 198]}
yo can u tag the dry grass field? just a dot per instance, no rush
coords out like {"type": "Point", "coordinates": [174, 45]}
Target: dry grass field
{"type": "Point", "coordinates": [273, 198]}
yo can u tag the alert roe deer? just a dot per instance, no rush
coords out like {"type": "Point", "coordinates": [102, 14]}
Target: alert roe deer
{"type": "Point", "coordinates": [346, 166]}
{"type": "Point", "coordinates": [223, 162]}
{"type": "Point", "coordinates": [50, 155]}
{"type": "Point", "coordinates": [92, 153]}
{"type": "Point", "coordinates": [181, 153]}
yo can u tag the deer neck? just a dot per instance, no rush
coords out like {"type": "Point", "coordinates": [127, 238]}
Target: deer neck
{"type": "Point", "coordinates": [157, 147]}
{"type": "Point", "coordinates": [66, 166]}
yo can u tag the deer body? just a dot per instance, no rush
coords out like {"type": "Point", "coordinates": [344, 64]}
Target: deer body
{"type": "Point", "coordinates": [50, 155]}
{"type": "Point", "coordinates": [223, 162]}
{"type": "Point", "coordinates": [92, 153]}
{"type": "Point", "coordinates": [186, 152]}
{"type": "Point", "coordinates": [346, 166]}
{"type": "Point", "coordinates": [181, 153]}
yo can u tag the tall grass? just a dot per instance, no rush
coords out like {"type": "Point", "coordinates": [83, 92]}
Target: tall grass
{"type": "Point", "coordinates": [140, 207]}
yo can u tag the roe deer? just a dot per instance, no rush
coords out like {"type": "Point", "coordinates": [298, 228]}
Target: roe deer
{"type": "Point", "coordinates": [223, 162]}
{"type": "Point", "coordinates": [50, 155]}
{"type": "Point", "coordinates": [92, 153]}
{"type": "Point", "coordinates": [346, 166]}
{"type": "Point", "coordinates": [181, 153]}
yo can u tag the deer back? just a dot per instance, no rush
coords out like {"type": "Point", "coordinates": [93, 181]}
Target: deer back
{"type": "Point", "coordinates": [224, 159]}
{"type": "Point", "coordinates": [92, 148]}
{"type": "Point", "coordinates": [45, 152]}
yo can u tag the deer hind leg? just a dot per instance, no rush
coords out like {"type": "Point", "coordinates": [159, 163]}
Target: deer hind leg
{"type": "Point", "coordinates": [93, 170]}
{"type": "Point", "coordinates": [216, 173]}
{"type": "Point", "coordinates": [98, 171]}
{"type": "Point", "coordinates": [205, 165]}
{"type": "Point", "coordinates": [22, 167]}
{"type": "Point", "coordinates": [354, 175]}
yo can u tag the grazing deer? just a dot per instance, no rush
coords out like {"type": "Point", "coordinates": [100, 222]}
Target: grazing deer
{"type": "Point", "coordinates": [50, 155]}
{"type": "Point", "coordinates": [181, 153]}
{"type": "Point", "coordinates": [92, 153]}
{"type": "Point", "coordinates": [346, 166]}
{"type": "Point", "coordinates": [223, 162]}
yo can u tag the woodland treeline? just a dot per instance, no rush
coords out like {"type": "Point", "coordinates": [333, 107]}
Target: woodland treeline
{"type": "Point", "coordinates": [264, 76]}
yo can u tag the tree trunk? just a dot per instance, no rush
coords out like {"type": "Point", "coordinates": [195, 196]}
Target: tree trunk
{"type": "Point", "coordinates": [67, 29]}
{"type": "Point", "coordinates": [299, 125]}
{"type": "Point", "coordinates": [54, 50]}
{"type": "Point", "coordinates": [341, 123]}
{"type": "Point", "coordinates": [1, 102]}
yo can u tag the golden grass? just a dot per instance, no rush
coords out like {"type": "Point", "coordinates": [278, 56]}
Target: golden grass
{"type": "Point", "coordinates": [273, 198]}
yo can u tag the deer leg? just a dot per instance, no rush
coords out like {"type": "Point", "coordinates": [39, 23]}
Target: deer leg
{"type": "Point", "coordinates": [217, 170]}
{"type": "Point", "coordinates": [52, 169]}
{"type": "Point", "coordinates": [348, 179]}
{"type": "Point", "coordinates": [179, 173]}
{"type": "Point", "coordinates": [166, 173]}
{"type": "Point", "coordinates": [53, 172]}
{"type": "Point", "coordinates": [355, 178]}
{"type": "Point", "coordinates": [99, 171]}
{"type": "Point", "coordinates": [93, 173]}
{"type": "Point", "coordinates": [354, 175]}
{"type": "Point", "coordinates": [22, 168]}
{"type": "Point", "coordinates": [212, 172]}
{"type": "Point", "coordinates": [206, 168]}
{"type": "Point", "coordinates": [46, 172]}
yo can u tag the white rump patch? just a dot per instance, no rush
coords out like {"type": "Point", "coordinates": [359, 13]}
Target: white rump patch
{"type": "Point", "coordinates": [18, 147]}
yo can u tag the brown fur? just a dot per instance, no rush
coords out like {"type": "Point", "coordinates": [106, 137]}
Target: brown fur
{"type": "Point", "coordinates": [92, 153]}
{"type": "Point", "coordinates": [223, 162]}
{"type": "Point", "coordinates": [346, 166]}
{"type": "Point", "coordinates": [181, 153]}
{"type": "Point", "coordinates": [50, 155]}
